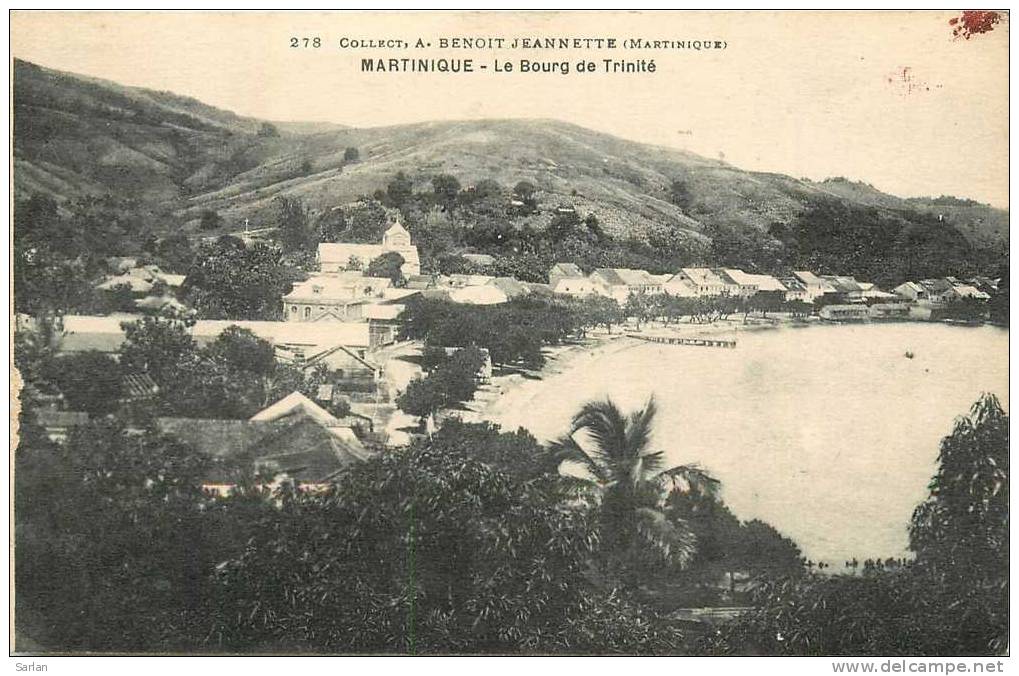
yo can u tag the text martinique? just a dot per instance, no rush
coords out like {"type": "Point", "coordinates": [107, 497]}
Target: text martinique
{"type": "Point", "coordinates": [521, 66]}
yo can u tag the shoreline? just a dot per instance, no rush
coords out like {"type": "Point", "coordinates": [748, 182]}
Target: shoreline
{"type": "Point", "coordinates": [488, 402]}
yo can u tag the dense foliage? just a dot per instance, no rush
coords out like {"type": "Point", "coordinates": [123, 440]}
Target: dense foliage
{"type": "Point", "coordinates": [441, 547]}
{"type": "Point", "coordinates": [233, 280]}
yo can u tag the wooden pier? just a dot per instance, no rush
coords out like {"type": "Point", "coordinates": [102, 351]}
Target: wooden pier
{"type": "Point", "coordinates": [680, 340]}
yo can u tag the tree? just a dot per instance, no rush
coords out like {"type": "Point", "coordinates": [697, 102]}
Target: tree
{"type": "Point", "coordinates": [351, 154]}
{"type": "Point", "coordinates": [422, 398]}
{"type": "Point", "coordinates": [426, 550]}
{"type": "Point", "coordinates": [209, 220]}
{"type": "Point", "coordinates": [111, 551]}
{"type": "Point", "coordinates": [601, 311]}
{"type": "Point", "coordinates": [268, 130]}
{"type": "Point", "coordinates": [89, 381]}
{"type": "Point", "coordinates": [680, 195]}
{"type": "Point", "coordinates": [292, 218]}
{"type": "Point", "coordinates": [399, 190]}
{"type": "Point", "coordinates": [389, 265]}
{"type": "Point", "coordinates": [446, 188]}
{"type": "Point", "coordinates": [631, 483]}
{"type": "Point", "coordinates": [162, 349]}
{"type": "Point", "coordinates": [524, 190]}
{"type": "Point", "coordinates": [961, 530]}
{"type": "Point", "coordinates": [231, 280]}
{"type": "Point", "coordinates": [998, 305]}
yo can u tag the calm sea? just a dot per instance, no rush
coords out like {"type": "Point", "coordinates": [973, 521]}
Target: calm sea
{"type": "Point", "coordinates": [829, 433]}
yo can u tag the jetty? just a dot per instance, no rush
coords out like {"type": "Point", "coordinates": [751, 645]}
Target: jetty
{"type": "Point", "coordinates": [686, 340]}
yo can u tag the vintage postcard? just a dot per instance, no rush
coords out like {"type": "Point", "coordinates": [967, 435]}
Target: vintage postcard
{"type": "Point", "coordinates": [511, 333]}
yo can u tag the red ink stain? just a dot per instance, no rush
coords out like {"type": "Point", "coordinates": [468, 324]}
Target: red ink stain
{"type": "Point", "coordinates": [974, 22]}
{"type": "Point", "coordinates": [906, 82]}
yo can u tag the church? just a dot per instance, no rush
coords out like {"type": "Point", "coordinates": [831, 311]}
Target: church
{"type": "Point", "coordinates": [339, 256]}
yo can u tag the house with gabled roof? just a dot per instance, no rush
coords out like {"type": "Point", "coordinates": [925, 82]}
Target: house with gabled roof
{"type": "Point", "coordinates": [910, 291]}
{"type": "Point", "coordinates": [337, 256]}
{"type": "Point", "coordinates": [619, 283]}
{"type": "Point", "coordinates": [561, 271]}
{"type": "Point", "coordinates": [294, 438]}
{"type": "Point", "coordinates": [705, 281]}
{"type": "Point", "coordinates": [335, 297]}
{"type": "Point", "coordinates": [815, 285]}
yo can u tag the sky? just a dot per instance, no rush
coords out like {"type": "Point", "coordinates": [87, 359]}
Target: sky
{"type": "Point", "coordinates": [889, 98]}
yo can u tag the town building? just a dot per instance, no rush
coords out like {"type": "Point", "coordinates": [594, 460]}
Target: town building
{"type": "Point", "coordinates": [578, 287]}
{"type": "Point", "coordinates": [339, 256]}
{"type": "Point", "coordinates": [619, 283]}
{"type": "Point", "coordinates": [294, 438]}
{"type": "Point", "coordinates": [816, 287]}
{"type": "Point", "coordinates": [485, 294]}
{"type": "Point", "coordinates": [910, 291]}
{"type": "Point", "coordinates": [704, 281]}
{"type": "Point", "coordinates": [513, 288]}
{"type": "Point", "coordinates": [746, 285]}
{"type": "Point", "coordinates": [338, 297]}
{"type": "Point", "coordinates": [561, 271]}
{"type": "Point", "coordinates": [676, 286]}
{"type": "Point", "coordinates": [795, 290]}
{"type": "Point", "coordinates": [939, 291]}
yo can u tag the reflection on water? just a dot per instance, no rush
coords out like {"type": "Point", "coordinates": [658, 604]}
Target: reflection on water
{"type": "Point", "coordinates": [829, 433]}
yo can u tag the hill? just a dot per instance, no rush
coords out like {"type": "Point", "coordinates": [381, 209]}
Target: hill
{"type": "Point", "coordinates": [75, 135]}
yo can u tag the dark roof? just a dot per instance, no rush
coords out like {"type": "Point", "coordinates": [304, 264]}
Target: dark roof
{"type": "Point", "coordinates": [306, 451]}
{"type": "Point", "coordinates": [138, 385]}
{"type": "Point", "coordinates": [610, 276]}
{"type": "Point", "coordinates": [297, 445]}
{"type": "Point", "coordinates": [567, 269]}
{"type": "Point", "coordinates": [218, 438]}
{"type": "Point", "coordinates": [510, 286]}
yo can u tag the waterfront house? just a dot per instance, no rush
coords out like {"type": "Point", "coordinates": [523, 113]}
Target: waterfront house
{"type": "Point", "coordinates": [337, 256]}
{"type": "Point", "coordinates": [816, 287]}
{"type": "Point", "coordinates": [846, 288]}
{"type": "Point", "coordinates": [795, 290]}
{"type": "Point", "coordinates": [703, 281]}
{"type": "Point", "coordinates": [745, 284]}
{"type": "Point", "coordinates": [939, 291]}
{"type": "Point", "coordinates": [561, 271]}
{"type": "Point", "coordinates": [960, 291]}
{"type": "Point", "coordinates": [870, 293]}
{"type": "Point", "coordinates": [579, 287]}
{"type": "Point", "coordinates": [676, 286]}
{"type": "Point", "coordinates": [910, 291]}
{"type": "Point", "coordinates": [619, 283]}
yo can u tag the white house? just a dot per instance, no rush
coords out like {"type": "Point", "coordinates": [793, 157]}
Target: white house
{"type": "Point", "coordinates": [336, 296]}
{"type": "Point", "coordinates": [578, 287]}
{"type": "Point", "coordinates": [337, 256]}
{"type": "Point", "coordinates": [816, 286]}
{"type": "Point", "coordinates": [704, 281]}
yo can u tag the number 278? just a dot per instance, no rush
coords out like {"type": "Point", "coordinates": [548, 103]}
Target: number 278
{"type": "Point", "coordinates": [305, 42]}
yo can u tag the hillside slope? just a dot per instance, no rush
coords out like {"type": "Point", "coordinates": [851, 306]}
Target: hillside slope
{"type": "Point", "coordinates": [77, 135]}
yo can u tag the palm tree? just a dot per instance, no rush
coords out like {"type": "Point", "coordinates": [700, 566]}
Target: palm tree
{"type": "Point", "coordinates": [630, 482]}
